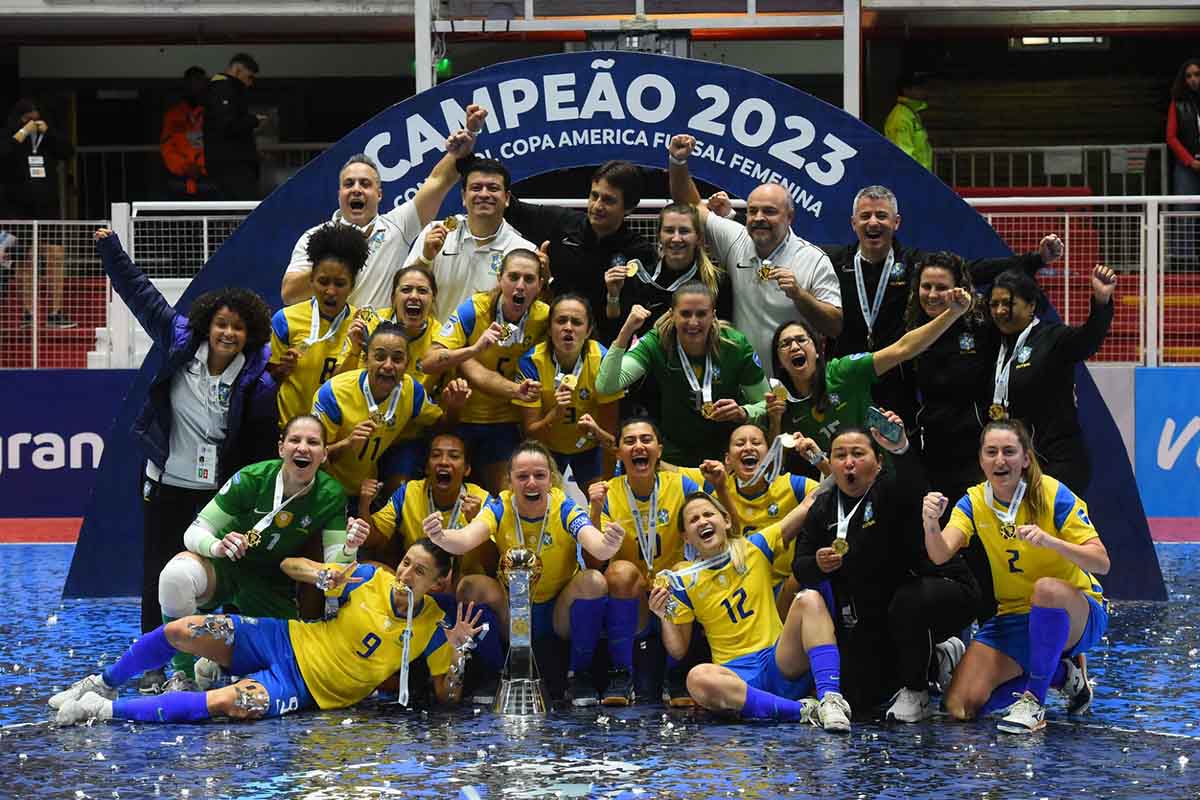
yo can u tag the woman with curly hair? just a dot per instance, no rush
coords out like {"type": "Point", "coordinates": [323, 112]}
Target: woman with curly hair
{"type": "Point", "coordinates": [210, 409]}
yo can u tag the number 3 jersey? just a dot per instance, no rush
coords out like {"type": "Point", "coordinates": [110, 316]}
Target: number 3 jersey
{"type": "Point", "coordinates": [343, 659]}
{"type": "Point", "coordinates": [565, 435]}
{"type": "Point", "coordinates": [737, 611]}
{"type": "Point", "coordinates": [249, 496]}
{"type": "Point", "coordinates": [1016, 564]}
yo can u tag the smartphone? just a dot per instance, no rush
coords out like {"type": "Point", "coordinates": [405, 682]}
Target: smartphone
{"type": "Point", "coordinates": [887, 429]}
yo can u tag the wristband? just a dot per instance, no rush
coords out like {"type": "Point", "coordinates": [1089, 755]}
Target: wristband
{"type": "Point", "coordinates": [208, 543]}
{"type": "Point", "coordinates": [425, 262]}
{"type": "Point", "coordinates": [679, 162]}
{"type": "Point", "coordinates": [614, 299]}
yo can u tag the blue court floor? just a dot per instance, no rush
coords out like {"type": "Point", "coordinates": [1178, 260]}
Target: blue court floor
{"type": "Point", "coordinates": [1141, 739]}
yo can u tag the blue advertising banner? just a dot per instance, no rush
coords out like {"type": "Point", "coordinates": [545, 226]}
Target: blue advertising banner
{"type": "Point", "coordinates": [1167, 440]}
{"type": "Point", "coordinates": [581, 109]}
{"type": "Point", "coordinates": [51, 443]}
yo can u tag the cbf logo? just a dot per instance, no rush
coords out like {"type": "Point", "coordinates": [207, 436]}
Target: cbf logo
{"type": "Point", "coordinates": [868, 513]}
{"type": "Point", "coordinates": [497, 258]}
{"type": "Point", "coordinates": [773, 509]}
{"type": "Point", "coordinates": [966, 343]}
{"type": "Point", "coordinates": [899, 270]}
{"type": "Point", "coordinates": [1023, 354]}
{"type": "Point", "coordinates": [376, 241]}
{"type": "Point", "coordinates": [664, 517]}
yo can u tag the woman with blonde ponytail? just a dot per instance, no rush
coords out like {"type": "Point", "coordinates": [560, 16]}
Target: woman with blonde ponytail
{"type": "Point", "coordinates": [1043, 552]}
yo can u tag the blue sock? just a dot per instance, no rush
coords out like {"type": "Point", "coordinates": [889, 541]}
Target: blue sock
{"type": "Point", "coordinates": [587, 618]}
{"type": "Point", "coordinates": [621, 623]}
{"type": "Point", "coordinates": [1049, 629]}
{"type": "Point", "coordinates": [150, 651]}
{"type": "Point", "coordinates": [489, 649]}
{"type": "Point", "coordinates": [764, 705]}
{"type": "Point", "coordinates": [169, 707]}
{"type": "Point", "coordinates": [1002, 695]}
{"type": "Point", "coordinates": [826, 666]}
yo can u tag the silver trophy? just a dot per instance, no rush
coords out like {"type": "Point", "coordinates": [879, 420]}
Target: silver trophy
{"type": "Point", "coordinates": [522, 692]}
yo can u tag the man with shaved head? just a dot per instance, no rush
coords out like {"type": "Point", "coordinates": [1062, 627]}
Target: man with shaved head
{"type": "Point", "coordinates": [775, 275]}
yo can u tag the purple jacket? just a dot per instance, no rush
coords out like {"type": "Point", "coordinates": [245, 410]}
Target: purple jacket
{"type": "Point", "coordinates": [251, 430]}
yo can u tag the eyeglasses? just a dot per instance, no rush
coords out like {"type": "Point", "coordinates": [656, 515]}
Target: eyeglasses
{"type": "Point", "coordinates": [786, 344]}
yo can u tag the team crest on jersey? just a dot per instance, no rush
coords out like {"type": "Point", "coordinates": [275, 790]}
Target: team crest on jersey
{"type": "Point", "coordinates": [497, 258]}
{"type": "Point", "coordinates": [223, 393]}
{"type": "Point", "coordinates": [717, 372]}
{"type": "Point", "coordinates": [547, 539]}
{"type": "Point", "coordinates": [376, 240]}
{"type": "Point", "coordinates": [966, 342]}
{"type": "Point", "coordinates": [868, 513]}
{"type": "Point", "coordinates": [617, 260]}
{"type": "Point", "coordinates": [664, 517]}
{"type": "Point", "coordinates": [898, 270]}
{"type": "Point", "coordinates": [773, 509]}
{"type": "Point", "coordinates": [584, 394]}
{"type": "Point", "coordinates": [1023, 354]}
{"type": "Point", "coordinates": [283, 519]}
{"type": "Point", "coordinates": [835, 398]}
{"type": "Point", "coordinates": [721, 579]}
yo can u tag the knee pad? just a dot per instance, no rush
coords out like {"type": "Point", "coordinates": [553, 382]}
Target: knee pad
{"type": "Point", "coordinates": [180, 585]}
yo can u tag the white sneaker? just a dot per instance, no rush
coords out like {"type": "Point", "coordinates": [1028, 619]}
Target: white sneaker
{"type": "Point", "coordinates": [180, 682]}
{"type": "Point", "coordinates": [909, 706]}
{"type": "Point", "coordinates": [834, 713]}
{"type": "Point", "coordinates": [948, 653]}
{"type": "Point", "coordinates": [1026, 715]}
{"type": "Point", "coordinates": [92, 683]}
{"type": "Point", "coordinates": [1077, 689]}
{"type": "Point", "coordinates": [209, 675]}
{"type": "Point", "coordinates": [83, 709]}
{"type": "Point", "coordinates": [810, 710]}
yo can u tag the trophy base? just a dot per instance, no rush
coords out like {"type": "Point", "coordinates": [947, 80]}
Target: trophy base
{"type": "Point", "coordinates": [521, 697]}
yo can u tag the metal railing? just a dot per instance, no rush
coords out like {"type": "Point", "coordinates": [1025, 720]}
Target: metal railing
{"type": "Point", "coordinates": [1125, 169]}
{"type": "Point", "coordinates": [1155, 250]}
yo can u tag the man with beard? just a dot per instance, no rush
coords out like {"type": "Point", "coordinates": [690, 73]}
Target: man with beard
{"type": "Point", "coordinates": [389, 235]}
{"type": "Point", "coordinates": [775, 275]}
{"type": "Point", "coordinates": [464, 251]}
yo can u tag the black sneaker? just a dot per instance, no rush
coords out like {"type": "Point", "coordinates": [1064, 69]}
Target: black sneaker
{"type": "Point", "coordinates": [675, 693]}
{"type": "Point", "coordinates": [620, 688]}
{"type": "Point", "coordinates": [485, 693]}
{"type": "Point", "coordinates": [581, 692]}
{"type": "Point", "coordinates": [59, 319]}
{"type": "Point", "coordinates": [152, 681]}
{"type": "Point", "coordinates": [1077, 690]}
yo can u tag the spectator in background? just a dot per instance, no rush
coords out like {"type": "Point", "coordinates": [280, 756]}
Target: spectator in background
{"type": "Point", "coordinates": [1183, 138]}
{"type": "Point", "coordinates": [30, 152]}
{"type": "Point", "coordinates": [230, 152]}
{"type": "Point", "coordinates": [903, 126]}
{"type": "Point", "coordinates": [182, 141]}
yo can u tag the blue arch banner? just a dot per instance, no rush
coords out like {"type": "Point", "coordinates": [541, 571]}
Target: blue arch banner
{"type": "Point", "coordinates": [580, 109]}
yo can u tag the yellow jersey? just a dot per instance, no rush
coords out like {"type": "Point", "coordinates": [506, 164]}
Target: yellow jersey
{"type": "Point", "coordinates": [737, 611]}
{"type": "Point", "coordinates": [341, 404]}
{"type": "Point", "coordinates": [1016, 565]}
{"type": "Point", "coordinates": [465, 326]}
{"type": "Point", "coordinates": [411, 504]}
{"type": "Point", "coordinates": [538, 365]}
{"type": "Point", "coordinates": [343, 659]}
{"type": "Point", "coordinates": [290, 326]}
{"type": "Point", "coordinates": [559, 552]}
{"type": "Point", "coordinates": [671, 488]}
{"type": "Point", "coordinates": [417, 348]}
{"type": "Point", "coordinates": [755, 512]}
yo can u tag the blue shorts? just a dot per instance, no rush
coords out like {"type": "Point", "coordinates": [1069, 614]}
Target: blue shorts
{"type": "Point", "coordinates": [262, 651]}
{"type": "Point", "coordinates": [760, 671]}
{"type": "Point", "coordinates": [489, 442]}
{"type": "Point", "coordinates": [404, 458]}
{"type": "Point", "coordinates": [542, 617]}
{"type": "Point", "coordinates": [1009, 633]}
{"type": "Point", "coordinates": [448, 603]}
{"type": "Point", "coordinates": [585, 466]}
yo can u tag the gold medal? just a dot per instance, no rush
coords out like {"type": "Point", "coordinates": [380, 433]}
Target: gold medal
{"type": "Point", "coordinates": [707, 410]}
{"type": "Point", "coordinates": [632, 267]}
{"type": "Point", "coordinates": [764, 273]}
{"type": "Point", "coordinates": [506, 331]}
{"type": "Point", "coordinates": [569, 382]}
{"type": "Point", "coordinates": [253, 539]}
{"type": "Point", "coordinates": [787, 441]}
{"type": "Point", "coordinates": [301, 347]}
{"type": "Point", "coordinates": [1008, 530]}
{"type": "Point", "coordinates": [366, 314]}
{"type": "Point", "coordinates": [450, 223]}
{"type": "Point", "coordinates": [378, 417]}
{"type": "Point", "coordinates": [840, 546]}
{"type": "Point", "coordinates": [997, 411]}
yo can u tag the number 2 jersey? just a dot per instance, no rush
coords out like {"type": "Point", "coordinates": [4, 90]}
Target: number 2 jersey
{"type": "Point", "coordinates": [343, 659]}
{"type": "Point", "coordinates": [737, 611]}
{"type": "Point", "coordinates": [1016, 564]}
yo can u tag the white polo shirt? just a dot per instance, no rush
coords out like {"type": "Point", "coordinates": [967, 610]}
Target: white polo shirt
{"type": "Point", "coordinates": [760, 306]}
{"type": "Point", "coordinates": [465, 266]}
{"type": "Point", "coordinates": [390, 238]}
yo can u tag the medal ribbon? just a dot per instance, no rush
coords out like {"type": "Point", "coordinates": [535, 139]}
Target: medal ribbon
{"type": "Point", "coordinates": [521, 533]}
{"type": "Point", "coordinates": [652, 280]}
{"type": "Point", "coordinates": [516, 334]}
{"type": "Point", "coordinates": [431, 507]}
{"type": "Point", "coordinates": [1007, 516]}
{"type": "Point", "coordinates": [843, 519]}
{"type": "Point", "coordinates": [872, 313]}
{"type": "Point", "coordinates": [676, 578]}
{"type": "Point", "coordinates": [314, 325]}
{"type": "Point", "coordinates": [279, 503]}
{"type": "Point", "coordinates": [704, 392]}
{"type": "Point", "coordinates": [1004, 365]}
{"type": "Point", "coordinates": [647, 534]}
{"type": "Point", "coordinates": [775, 383]}
{"type": "Point", "coordinates": [558, 371]}
{"type": "Point", "coordinates": [771, 465]}
{"type": "Point", "coordinates": [402, 697]}
{"type": "Point", "coordinates": [365, 230]}
{"type": "Point", "coordinates": [373, 407]}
